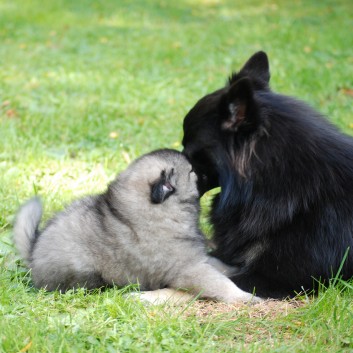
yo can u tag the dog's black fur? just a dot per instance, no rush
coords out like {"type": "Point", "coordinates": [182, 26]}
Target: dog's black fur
{"type": "Point", "coordinates": [284, 214]}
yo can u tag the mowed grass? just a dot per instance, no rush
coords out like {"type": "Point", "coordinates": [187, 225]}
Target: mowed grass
{"type": "Point", "coordinates": [86, 87]}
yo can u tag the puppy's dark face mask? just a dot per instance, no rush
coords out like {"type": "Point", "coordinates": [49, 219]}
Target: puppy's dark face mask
{"type": "Point", "coordinates": [162, 188]}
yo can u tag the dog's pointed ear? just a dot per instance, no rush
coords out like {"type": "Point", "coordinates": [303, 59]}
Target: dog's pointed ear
{"type": "Point", "coordinates": [238, 107]}
{"type": "Point", "coordinates": [161, 189]}
{"type": "Point", "coordinates": [257, 67]}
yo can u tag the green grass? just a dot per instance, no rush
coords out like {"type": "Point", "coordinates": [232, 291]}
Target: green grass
{"type": "Point", "coordinates": [87, 86]}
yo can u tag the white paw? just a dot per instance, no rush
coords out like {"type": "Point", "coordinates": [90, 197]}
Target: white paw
{"type": "Point", "coordinates": [161, 296]}
{"type": "Point", "coordinates": [140, 297]}
{"type": "Point", "coordinates": [250, 298]}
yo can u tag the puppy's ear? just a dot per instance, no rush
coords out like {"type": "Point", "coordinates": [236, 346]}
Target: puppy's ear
{"type": "Point", "coordinates": [257, 67]}
{"type": "Point", "coordinates": [161, 189]}
{"type": "Point", "coordinates": [238, 107]}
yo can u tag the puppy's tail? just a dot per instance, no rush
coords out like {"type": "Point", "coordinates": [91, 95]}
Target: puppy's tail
{"type": "Point", "coordinates": [26, 225]}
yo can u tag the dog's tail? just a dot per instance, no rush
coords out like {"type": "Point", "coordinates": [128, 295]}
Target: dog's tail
{"type": "Point", "coordinates": [26, 225]}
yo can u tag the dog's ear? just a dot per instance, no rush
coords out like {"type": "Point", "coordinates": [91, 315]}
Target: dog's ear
{"type": "Point", "coordinates": [238, 107]}
{"type": "Point", "coordinates": [161, 189]}
{"type": "Point", "coordinates": [257, 67]}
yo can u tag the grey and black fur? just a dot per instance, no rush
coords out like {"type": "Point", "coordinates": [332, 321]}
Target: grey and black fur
{"type": "Point", "coordinates": [143, 229]}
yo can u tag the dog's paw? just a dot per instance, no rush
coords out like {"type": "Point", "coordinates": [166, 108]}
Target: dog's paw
{"type": "Point", "coordinates": [249, 299]}
{"type": "Point", "coordinates": [161, 296]}
{"type": "Point", "coordinates": [139, 296]}
{"type": "Point", "coordinates": [255, 300]}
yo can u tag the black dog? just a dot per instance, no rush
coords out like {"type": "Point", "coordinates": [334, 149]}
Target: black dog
{"type": "Point", "coordinates": [284, 215]}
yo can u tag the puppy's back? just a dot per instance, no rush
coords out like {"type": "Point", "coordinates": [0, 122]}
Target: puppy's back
{"type": "Point", "coordinates": [65, 253]}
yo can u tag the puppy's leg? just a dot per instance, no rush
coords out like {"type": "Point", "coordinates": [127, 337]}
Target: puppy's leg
{"type": "Point", "coordinates": [205, 279]}
{"type": "Point", "coordinates": [220, 266]}
{"type": "Point", "coordinates": [163, 296]}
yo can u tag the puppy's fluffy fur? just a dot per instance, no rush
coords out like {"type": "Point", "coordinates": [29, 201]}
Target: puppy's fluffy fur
{"type": "Point", "coordinates": [143, 229]}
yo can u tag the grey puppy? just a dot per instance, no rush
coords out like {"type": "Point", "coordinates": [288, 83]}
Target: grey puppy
{"type": "Point", "coordinates": [143, 229]}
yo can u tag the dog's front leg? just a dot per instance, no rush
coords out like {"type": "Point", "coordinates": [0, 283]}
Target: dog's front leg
{"type": "Point", "coordinates": [206, 280]}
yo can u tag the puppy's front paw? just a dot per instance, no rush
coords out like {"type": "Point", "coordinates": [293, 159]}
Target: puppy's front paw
{"type": "Point", "coordinates": [250, 299]}
{"type": "Point", "coordinates": [145, 297]}
{"type": "Point", "coordinates": [162, 296]}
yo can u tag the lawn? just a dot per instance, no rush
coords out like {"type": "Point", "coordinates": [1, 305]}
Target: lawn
{"type": "Point", "coordinates": [87, 86]}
